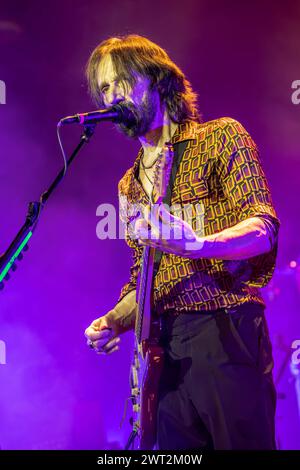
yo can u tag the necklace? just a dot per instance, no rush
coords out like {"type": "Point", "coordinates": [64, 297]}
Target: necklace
{"type": "Point", "coordinates": [147, 167]}
{"type": "Point", "coordinates": [152, 164]}
{"type": "Point", "coordinates": [145, 172]}
{"type": "Point", "coordinates": [144, 167]}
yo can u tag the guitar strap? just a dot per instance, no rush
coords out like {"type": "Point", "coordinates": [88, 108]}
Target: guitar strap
{"type": "Point", "coordinates": [179, 149]}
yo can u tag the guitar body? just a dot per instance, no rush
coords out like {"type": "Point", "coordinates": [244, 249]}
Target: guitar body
{"type": "Point", "coordinates": [146, 371]}
{"type": "Point", "coordinates": [148, 358]}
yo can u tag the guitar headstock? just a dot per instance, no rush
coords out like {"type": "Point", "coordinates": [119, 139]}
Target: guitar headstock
{"type": "Point", "coordinates": [162, 173]}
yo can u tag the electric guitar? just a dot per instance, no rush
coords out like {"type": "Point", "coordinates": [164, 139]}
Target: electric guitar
{"type": "Point", "coordinates": [148, 357]}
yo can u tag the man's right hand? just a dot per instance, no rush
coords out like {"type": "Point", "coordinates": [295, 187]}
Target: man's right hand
{"type": "Point", "coordinates": [101, 337]}
{"type": "Point", "coordinates": [103, 333]}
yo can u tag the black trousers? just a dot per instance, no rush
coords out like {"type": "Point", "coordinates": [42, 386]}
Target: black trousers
{"type": "Point", "coordinates": [217, 389]}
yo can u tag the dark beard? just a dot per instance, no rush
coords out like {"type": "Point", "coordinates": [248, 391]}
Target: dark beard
{"type": "Point", "coordinates": [144, 115]}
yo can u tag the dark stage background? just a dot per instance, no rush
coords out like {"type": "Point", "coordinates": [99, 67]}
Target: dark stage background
{"type": "Point", "coordinates": [242, 58]}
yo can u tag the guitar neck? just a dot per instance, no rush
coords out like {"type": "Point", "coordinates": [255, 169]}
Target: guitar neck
{"type": "Point", "coordinates": [143, 319]}
{"type": "Point", "coordinates": [160, 183]}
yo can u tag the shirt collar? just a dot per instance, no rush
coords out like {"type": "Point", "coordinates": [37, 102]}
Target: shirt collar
{"type": "Point", "coordinates": [184, 131]}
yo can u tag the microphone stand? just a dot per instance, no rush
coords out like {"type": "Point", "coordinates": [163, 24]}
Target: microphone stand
{"type": "Point", "coordinates": [20, 242]}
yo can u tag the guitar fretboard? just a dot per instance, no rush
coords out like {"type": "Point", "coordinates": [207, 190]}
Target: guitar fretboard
{"type": "Point", "coordinates": [144, 285]}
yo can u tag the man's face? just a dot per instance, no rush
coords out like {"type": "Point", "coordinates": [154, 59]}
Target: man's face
{"type": "Point", "coordinates": [143, 102]}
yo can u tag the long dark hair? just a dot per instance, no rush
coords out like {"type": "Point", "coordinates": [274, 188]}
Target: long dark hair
{"type": "Point", "coordinates": [136, 54]}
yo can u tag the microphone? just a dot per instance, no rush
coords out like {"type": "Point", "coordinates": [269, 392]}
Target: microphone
{"type": "Point", "coordinates": [119, 113]}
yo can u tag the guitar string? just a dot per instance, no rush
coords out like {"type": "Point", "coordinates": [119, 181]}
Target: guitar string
{"type": "Point", "coordinates": [144, 266]}
{"type": "Point", "coordinates": [144, 281]}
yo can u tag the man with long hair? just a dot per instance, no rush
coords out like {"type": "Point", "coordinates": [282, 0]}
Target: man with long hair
{"type": "Point", "coordinates": [216, 389]}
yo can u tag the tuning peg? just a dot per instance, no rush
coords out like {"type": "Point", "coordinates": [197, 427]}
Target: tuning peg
{"type": "Point", "coordinates": [20, 256]}
{"type": "Point", "coordinates": [26, 247]}
{"type": "Point", "coordinates": [7, 277]}
{"type": "Point", "coordinates": [14, 266]}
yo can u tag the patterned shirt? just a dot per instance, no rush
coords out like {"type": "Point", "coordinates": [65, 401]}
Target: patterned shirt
{"type": "Point", "coordinates": [221, 181]}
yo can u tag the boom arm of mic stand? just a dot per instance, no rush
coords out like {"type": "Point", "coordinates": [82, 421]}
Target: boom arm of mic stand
{"type": "Point", "coordinates": [20, 242]}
